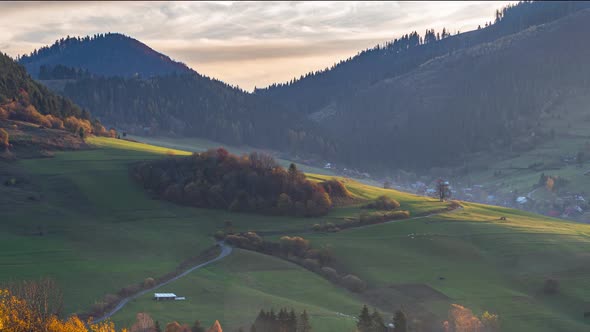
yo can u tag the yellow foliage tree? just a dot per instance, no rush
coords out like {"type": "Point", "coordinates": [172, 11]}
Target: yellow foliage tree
{"type": "Point", "coordinates": [17, 316]}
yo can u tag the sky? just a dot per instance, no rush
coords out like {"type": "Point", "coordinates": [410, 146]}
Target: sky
{"type": "Point", "coordinates": [245, 44]}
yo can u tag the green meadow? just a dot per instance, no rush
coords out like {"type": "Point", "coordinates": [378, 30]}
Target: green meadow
{"type": "Point", "coordinates": [102, 232]}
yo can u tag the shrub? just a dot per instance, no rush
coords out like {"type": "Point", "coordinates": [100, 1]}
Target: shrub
{"type": "Point", "coordinates": [330, 273]}
{"type": "Point", "coordinates": [353, 283]}
{"type": "Point", "coordinates": [316, 227]}
{"type": "Point", "coordinates": [311, 264]}
{"type": "Point", "coordinates": [149, 282]}
{"type": "Point", "coordinates": [4, 142]}
{"type": "Point", "coordinates": [74, 125]}
{"type": "Point", "coordinates": [55, 123]}
{"type": "Point", "coordinates": [335, 189]}
{"type": "Point", "coordinates": [383, 203]}
{"type": "Point", "coordinates": [3, 114]}
{"type": "Point", "coordinates": [129, 290]}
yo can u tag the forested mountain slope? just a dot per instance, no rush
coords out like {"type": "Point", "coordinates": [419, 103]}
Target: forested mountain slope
{"type": "Point", "coordinates": [316, 90]}
{"type": "Point", "coordinates": [14, 80]}
{"type": "Point", "coordinates": [491, 96]}
{"type": "Point", "coordinates": [191, 105]}
{"type": "Point", "coordinates": [110, 54]}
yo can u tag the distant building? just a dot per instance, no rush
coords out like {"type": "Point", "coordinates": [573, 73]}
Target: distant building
{"type": "Point", "coordinates": [164, 296]}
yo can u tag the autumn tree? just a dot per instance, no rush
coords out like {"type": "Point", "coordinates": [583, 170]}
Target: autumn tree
{"type": "Point", "coordinates": [143, 323]}
{"type": "Point", "coordinates": [4, 142]}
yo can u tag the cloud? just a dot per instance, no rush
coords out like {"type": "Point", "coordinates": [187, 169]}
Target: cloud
{"type": "Point", "coordinates": [220, 38]}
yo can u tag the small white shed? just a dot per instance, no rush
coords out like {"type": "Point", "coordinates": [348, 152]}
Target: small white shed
{"type": "Point", "coordinates": [164, 296]}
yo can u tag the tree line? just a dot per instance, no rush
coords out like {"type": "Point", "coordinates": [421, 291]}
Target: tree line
{"type": "Point", "coordinates": [247, 183]}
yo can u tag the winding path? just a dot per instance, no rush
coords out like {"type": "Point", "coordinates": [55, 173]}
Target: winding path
{"type": "Point", "coordinates": [225, 251]}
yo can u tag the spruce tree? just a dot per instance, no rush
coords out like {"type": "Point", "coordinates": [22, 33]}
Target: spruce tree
{"type": "Point", "coordinates": [378, 325]}
{"type": "Point", "coordinates": [400, 322]}
{"type": "Point", "coordinates": [365, 322]}
{"type": "Point", "coordinates": [303, 324]}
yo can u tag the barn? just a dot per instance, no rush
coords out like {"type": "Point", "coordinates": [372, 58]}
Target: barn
{"type": "Point", "coordinates": [164, 296]}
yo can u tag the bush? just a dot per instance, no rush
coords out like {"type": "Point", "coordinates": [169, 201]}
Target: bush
{"type": "Point", "coordinates": [311, 264]}
{"type": "Point", "coordinates": [129, 290]}
{"type": "Point", "coordinates": [55, 123]}
{"type": "Point", "coordinates": [353, 283]}
{"type": "Point", "coordinates": [383, 203]}
{"type": "Point", "coordinates": [336, 189]}
{"type": "Point", "coordinates": [3, 114]}
{"type": "Point", "coordinates": [330, 273]}
{"type": "Point", "coordinates": [149, 282]}
{"type": "Point", "coordinates": [73, 125]}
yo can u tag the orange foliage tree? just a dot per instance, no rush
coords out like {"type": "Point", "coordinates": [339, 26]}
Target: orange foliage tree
{"type": "Point", "coordinates": [16, 315]}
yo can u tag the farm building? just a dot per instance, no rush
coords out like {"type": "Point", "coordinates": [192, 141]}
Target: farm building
{"type": "Point", "coordinates": [164, 296]}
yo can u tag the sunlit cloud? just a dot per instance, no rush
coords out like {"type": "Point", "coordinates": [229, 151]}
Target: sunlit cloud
{"type": "Point", "coordinates": [243, 43]}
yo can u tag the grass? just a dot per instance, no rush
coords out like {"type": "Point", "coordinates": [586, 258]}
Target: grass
{"type": "Point", "coordinates": [236, 288]}
{"type": "Point", "coordinates": [101, 229]}
{"type": "Point", "coordinates": [486, 263]}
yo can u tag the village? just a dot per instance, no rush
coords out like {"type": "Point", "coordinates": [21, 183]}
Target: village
{"type": "Point", "coordinates": [542, 197]}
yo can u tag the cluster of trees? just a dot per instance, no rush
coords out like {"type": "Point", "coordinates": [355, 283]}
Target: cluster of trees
{"type": "Point", "coordinates": [462, 319]}
{"type": "Point", "coordinates": [283, 321]}
{"type": "Point", "coordinates": [372, 322]}
{"type": "Point", "coordinates": [21, 108]}
{"type": "Point", "coordinates": [61, 72]}
{"type": "Point", "coordinates": [35, 306]}
{"type": "Point", "coordinates": [297, 250]}
{"type": "Point", "coordinates": [21, 98]}
{"type": "Point", "coordinates": [14, 79]}
{"type": "Point", "coordinates": [145, 323]}
{"type": "Point", "coordinates": [383, 203]}
{"type": "Point", "coordinates": [247, 183]}
{"type": "Point", "coordinates": [553, 183]}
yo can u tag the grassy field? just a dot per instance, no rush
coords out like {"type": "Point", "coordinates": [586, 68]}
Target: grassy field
{"type": "Point", "coordinates": [473, 258]}
{"type": "Point", "coordinates": [98, 225]}
{"type": "Point", "coordinates": [236, 288]}
{"type": "Point", "coordinates": [101, 229]}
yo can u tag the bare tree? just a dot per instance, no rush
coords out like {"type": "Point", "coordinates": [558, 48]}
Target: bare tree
{"type": "Point", "coordinates": [43, 295]}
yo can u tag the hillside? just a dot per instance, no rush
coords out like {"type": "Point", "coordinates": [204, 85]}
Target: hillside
{"type": "Point", "coordinates": [14, 80]}
{"type": "Point", "coordinates": [110, 54]}
{"type": "Point", "coordinates": [100, 227]}
{"type": "Point", "coordinates": [315, 91]}
{"type": "Point", "coordinates": [495, 105]}
{"type": "Point", "coordinates": [428, 101]}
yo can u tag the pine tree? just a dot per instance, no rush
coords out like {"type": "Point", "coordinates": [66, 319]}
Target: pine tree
{"type": "Point", "coordinates": [303, 323]}
{"type": "Point", "coordinates": [378, 325]}
{"type": "Point", "coordinates": [365, 322]}
{"type": "Point", "coordinates": [197, 327]}
{"type": "Point", "coordinates": [400, 322]}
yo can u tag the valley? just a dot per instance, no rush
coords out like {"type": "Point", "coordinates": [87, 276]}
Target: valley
{"type": "Point", "coordinates": [433, 182]}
